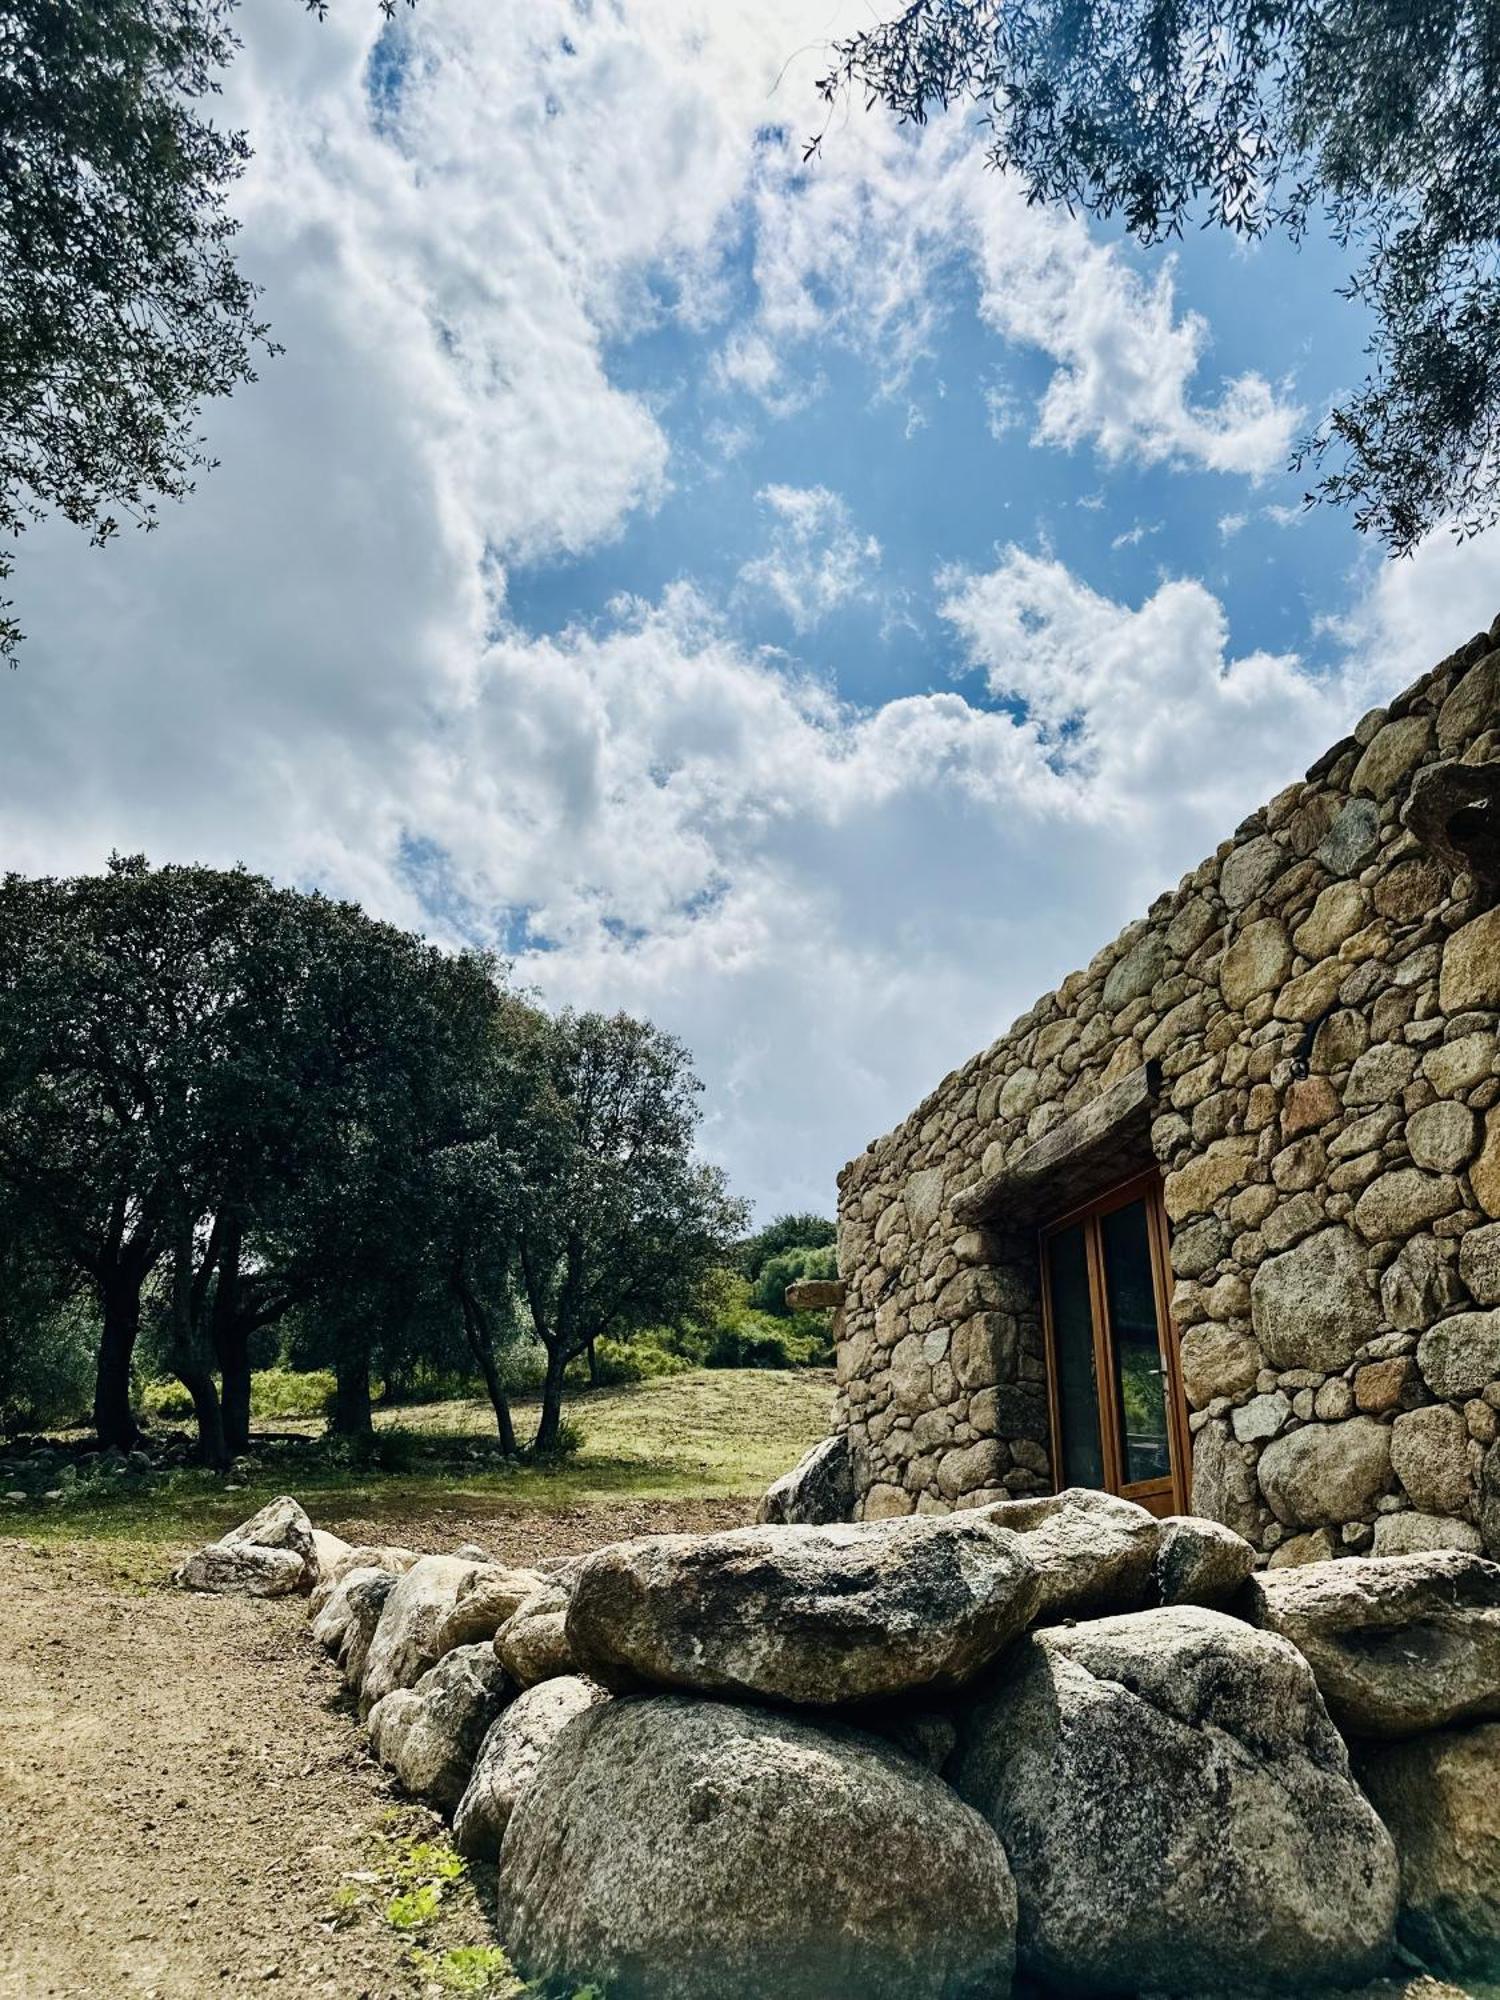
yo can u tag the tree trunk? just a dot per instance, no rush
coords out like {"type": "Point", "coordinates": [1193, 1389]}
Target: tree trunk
{"type": "Point", "coordinates": [199, 1383]}
{"type": "Point", "coordinates": [552, 1393]}
{"type": "Point", "coordinates": [351, 1402]}
{"type": "Point", "coordinates": [232, 1341]}
{"type": "Point", "coordinates": [113, 1418]}
{"type": "Point", "coordinates": [498, 1398]}
{"type": "Point", "coordinates": [233, 1347]}
{"type": "Point", "coordinates": [482, 1347]}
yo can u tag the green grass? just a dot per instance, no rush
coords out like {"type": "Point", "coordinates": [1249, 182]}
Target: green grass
{"type": "Point", "coordinates": [710, 1433]}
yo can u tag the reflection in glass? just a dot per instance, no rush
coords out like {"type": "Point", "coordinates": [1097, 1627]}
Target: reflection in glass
{"type": "Point", "coordinates": [1073, 1340]}
{"type": "Point", "coordinates": [1131, 1298]}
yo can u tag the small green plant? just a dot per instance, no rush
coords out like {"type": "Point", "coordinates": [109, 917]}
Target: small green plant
{"type": "Point", "coordinates": [412, 1909]}
{"type": "Point", "coordinates": [469, 1968]}
{"type": "Point", "coordinates": [345, 1902]}
{"type": "Point", "coordinates": [165, 1400]}
{"type": "Point", "coordinates": [567, 1444]}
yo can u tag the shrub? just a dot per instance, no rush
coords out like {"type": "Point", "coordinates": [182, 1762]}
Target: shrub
{"type": "Point", "coordinates": [755, 1340]}
{"type": "Point", "coordinates": [292, 1392]}
{"type": "Point", "coordinates": [768, 1292]}
{"type": "Point", "coordinates": [164, 1399]}
{"type": "Point", "coordinates": [46, 1369]}
{"type": "Point", "coordinates": [639, 1359]}
{"type": "Point", "coordinates": [565, 1445]}
{"type": "Point", "coordinates": [523, 1364]}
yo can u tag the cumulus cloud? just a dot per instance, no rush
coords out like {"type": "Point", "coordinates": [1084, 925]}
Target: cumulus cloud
{"type": "Point", "coordinates": [864, 248]}
{"type": "Point", "coordinates": [313, 666]}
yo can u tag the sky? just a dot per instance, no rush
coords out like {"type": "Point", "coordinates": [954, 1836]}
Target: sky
{"type": "Point", "coordinates": [813, 605]}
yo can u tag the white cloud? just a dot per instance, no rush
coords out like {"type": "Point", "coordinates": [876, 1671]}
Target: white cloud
{"type": "Point", "coordinates": [816, 560]}
{"type": "Point", "coordinates": [1142, 707]}
{"type": "Point", "coordinates": [861, 248]}
{"type": "Point", "coordinates": [311, 667]}
{"type": "Point", "coordinates": [1132, 537]}
{"type": "Point", "coordinates": [1405, 615]}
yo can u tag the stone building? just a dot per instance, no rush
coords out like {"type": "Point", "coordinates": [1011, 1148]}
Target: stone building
{"type": "Point", "coordinates": [1216, 1225]}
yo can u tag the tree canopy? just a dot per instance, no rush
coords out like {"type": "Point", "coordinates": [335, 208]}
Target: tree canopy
{"type": "Point", "coordinates": [620, 1223]}
{"type": "Point", "coordinates": [1255, 115]}
{"type": "Point", "coordinates": [223, 1104]}
{"type": "Point", "coordinates": [121, 307]}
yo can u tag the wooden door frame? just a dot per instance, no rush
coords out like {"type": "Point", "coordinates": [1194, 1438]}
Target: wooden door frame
{"type": "Point", "coordinates": [1168, 1495]}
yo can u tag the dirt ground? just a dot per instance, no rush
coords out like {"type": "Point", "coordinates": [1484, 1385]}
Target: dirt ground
{"type": "Point", "coordinates": [184, 1788]}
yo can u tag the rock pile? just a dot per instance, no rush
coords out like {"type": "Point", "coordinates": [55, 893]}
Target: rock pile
{"type": "Point", "coordinates": [1054, 1741]}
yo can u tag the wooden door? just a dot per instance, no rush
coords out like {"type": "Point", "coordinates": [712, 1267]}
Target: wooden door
{"type": "Point", "coordinates": [1119, 1421]}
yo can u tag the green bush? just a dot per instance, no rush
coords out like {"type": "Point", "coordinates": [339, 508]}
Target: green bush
{"type": "Point", "coordinates": [274, 1392]}
{"type": "Point", "coordinates": [639, 1359]}
{"type": "Point", "coordinates": [567, 1444]}
{"type": "Point", "coordinates": [756, 1340]}
{"type": "Point", "coordinates": [787, 1267]}
{"type": "Point", "coordinates": [292, 1392]}
{"type": "Point", "coordinates": [46, 1369]}
{"type": "Point", "coordinates": [165, 1399]}
{"type": "Point", "coordinates": [523, 1365]}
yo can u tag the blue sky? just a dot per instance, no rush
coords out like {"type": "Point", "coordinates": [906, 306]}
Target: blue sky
{"type": "Point", "coordinates": [925, 473]}
{"type": "Point", "coordinates": [815, 607]}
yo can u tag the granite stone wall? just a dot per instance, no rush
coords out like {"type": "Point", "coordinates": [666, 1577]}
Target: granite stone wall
{"type": "Point", "coordinates": [1307, 1025]}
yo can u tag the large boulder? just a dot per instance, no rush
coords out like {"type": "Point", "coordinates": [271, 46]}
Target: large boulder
{"type": "Point", "coordinates": [819, 1488]}
{"type": "Point", "coordinates": [1439, 1795]}
{"type": "Point", "coordinates": [842, 1613]}
{"type": "Point", "coordinates": [332, 1616]}
{"type": "Point", "coordinates": [1091, 1551]}
{"type": "Point", "coordinates": [270, 1555]}
{"type": "Point", "coordinates": [331, 1555]}
{"type": "Point", "coordinates": [491, 1595]}
{"type": "Point", "coordinates": [363, 1555]}
{"type": "Point", "coordinates": [246, 1571]}
{"type": "Point", "coordinates": [406, 1640]}
{"type": "Point", "coordinates": [1177, 1809]}
{"type": "Point", "coordinates": [1325, 1474]}
{"type": "Point", "coordinates": [670, 1849]}
{"type": "Point", "coordinates": [510, 1756]}
{"type": "Point", "coordinates": [368, 1590]}
{"type": "Point", "coordinates": [429, 1735]}
{"type": "Point", "coordinates": [1398, 1643]}
{"type": "Point", "coordinates": [1313, 1306]}
{"type": "Point", "coordinates": [281, 1524]}
{"type": "Point", "coordinates": [1200, 1562]}
{"type": "Point", "coordinates": [533, 1641]}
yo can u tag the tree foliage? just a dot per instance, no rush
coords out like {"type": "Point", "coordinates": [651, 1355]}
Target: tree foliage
{"type": "Point", "coordinates": [121, 307]}
{"type": "Point", "coordinates": [225, 1106]}
{"type": "Point", "coordinates": [620, 1223]}
{"type": "Point", "coordinates": [1256, 115]}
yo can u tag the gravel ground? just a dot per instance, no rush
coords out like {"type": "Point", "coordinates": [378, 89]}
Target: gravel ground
{"type": "Point", "coordinates": [184, 1787]}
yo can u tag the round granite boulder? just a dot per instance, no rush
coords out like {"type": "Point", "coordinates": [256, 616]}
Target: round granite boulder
{"type": "Point", "coordinates": [672, 1849]}
{"type": "Point", "coordinates": [1178, 1811]}
{"type": "Point", "coordinates": [817, 1616]}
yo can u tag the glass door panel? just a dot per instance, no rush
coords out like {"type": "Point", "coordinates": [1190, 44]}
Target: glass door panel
{"type": "Point", "coordinates": [1073, 1359]}
{"type": "Point", "coordinates": [1135, 1345]}
{"type": "Point", "coordinates": [1118, 1420]}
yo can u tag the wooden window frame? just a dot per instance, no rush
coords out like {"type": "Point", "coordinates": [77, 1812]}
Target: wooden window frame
{"type": "Point", "coordinates": [1160, 1496]}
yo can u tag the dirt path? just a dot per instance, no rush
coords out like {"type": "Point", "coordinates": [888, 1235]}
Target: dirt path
{"type": "Point", "coordinates": [184, 1789]}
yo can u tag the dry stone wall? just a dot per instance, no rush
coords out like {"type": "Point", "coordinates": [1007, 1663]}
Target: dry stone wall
{"type": "Point", "coordinates": [1321, 997]}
